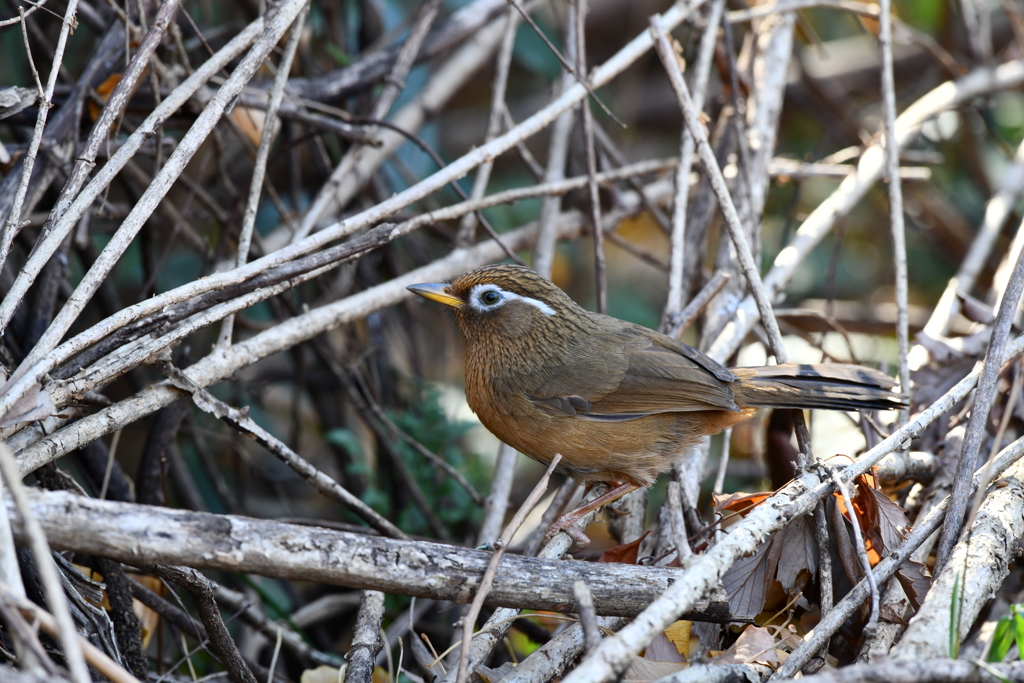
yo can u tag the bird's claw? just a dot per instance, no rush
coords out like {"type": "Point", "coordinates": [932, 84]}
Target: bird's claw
{"type": "Point", "coordinates": [565, 523]}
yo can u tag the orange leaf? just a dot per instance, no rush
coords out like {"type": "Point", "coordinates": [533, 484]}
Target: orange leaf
{"type": "Point", "coordinates": [740, 502]}
{"type": "Point", "coordinates": [627, 553]}
{"type": "Point", "coordinates": [103, 90]}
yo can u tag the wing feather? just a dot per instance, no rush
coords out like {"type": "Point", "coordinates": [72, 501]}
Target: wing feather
{"type": "Point", "coordinates": [642, 378]}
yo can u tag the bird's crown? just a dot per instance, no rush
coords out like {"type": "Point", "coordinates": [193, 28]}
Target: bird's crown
{"type": "Point", "coordinates": [491, 287]}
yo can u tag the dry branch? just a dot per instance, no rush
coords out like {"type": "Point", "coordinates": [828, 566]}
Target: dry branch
{"type": "Point", "coordinates": [870, 169]}
{"type": "Point", "coordinates": [981, 561]}
{"type": "Point", "coordinates": [140, 534]}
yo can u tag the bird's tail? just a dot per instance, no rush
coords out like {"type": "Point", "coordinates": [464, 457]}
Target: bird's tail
{"type": "Point", "coordinates": [831, 386]}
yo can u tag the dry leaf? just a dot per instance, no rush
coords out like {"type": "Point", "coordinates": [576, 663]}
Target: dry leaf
{"type": "Point", "coordinates": [746, 582]}
{"type": "Point", "coordinates": [755, 644]}
{"type": "Point", "coordinates": [626, 553]}
{"type": "Point", "coordinates": [250, 122]}
{"type": "Point", "coordinates": [914, 578]}
{"type": "Point", "coordinates": [103, 90]}
{"type": "Point", "coordinates": [148, 619]}
{"type": "Point", "coordinates": [798, 553]}
{"type": "Point", "coordinates": [842, 540]}
{"type": "Point", "coordinates": [661, 649]}
{"type": "Point", "coordinates": [323, 674]}
{"type": "Point", "coordinates": [892, 522]}
{"type": "Point", "coordinates": [739, 501]}
{"type": "Point", "coordinates": [789, 557]}
{"type": "Point", "coordinates": [646, 670]}
{"type": "Point", "coordinates": [678, 634]}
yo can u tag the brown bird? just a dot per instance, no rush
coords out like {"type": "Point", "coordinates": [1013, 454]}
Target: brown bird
{"type": "Point", "coordinates": [620, 402]}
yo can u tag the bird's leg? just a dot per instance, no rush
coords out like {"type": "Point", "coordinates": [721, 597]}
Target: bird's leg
{"type": "Point", "coordinates": [566, 521]}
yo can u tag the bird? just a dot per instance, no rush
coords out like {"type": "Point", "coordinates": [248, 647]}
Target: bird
{"type": "Point", "coordinates": [619, 402]}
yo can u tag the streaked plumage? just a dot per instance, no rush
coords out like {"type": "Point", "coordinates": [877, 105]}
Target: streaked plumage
{"type": "Point", "coordinates": [617, 400]}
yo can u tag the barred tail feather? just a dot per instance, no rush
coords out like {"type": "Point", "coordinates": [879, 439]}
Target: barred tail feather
{"type": "Point", "coordinates": [830, 386]}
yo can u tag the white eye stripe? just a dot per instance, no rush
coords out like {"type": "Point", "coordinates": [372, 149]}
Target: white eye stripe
{"type": "Point", "coordinates": [505, 296]}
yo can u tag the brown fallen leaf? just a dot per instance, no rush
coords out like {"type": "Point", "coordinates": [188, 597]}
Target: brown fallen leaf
{"type": "Point", "coordinates": [789, 557]}
{"type": "Point", "coordinates": [661, 649]}
{"type": "Point", "coordinates": [755, 644]}
{"type": "Point", "coordinates": [627, 553]}
{"type": "Point", "coordinates": [915, 580]}
{"type": "Point", "coordinates": [646, 670]}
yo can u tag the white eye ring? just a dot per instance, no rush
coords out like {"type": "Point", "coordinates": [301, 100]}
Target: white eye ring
{"type": "Point", "coordinates": [490, 297]}
{"type": "Point", "coordinates": [480, 299]}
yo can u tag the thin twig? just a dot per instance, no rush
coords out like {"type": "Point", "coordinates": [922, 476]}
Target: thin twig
{"type": "Point", "coordinates": [20, 19]}
{"type": "Point", "coordinates": [469, 621]}
{"type": "Point", "coordinates": [435, 459]}
{"type": "Point", "coordinates": [241, 421]}
{"type": "Point", "coordinates": [220, 640]}
{"type": "Point", "coordinates": [679, 535]}
{"type": "Point", "coordinates": [367, 641]}
{"type": "Point", "coordinates": [13, 223]}
{"type": "Point", "coordinates": [467, 226]}
{"type": "Point", "coordinates": [707, 157]}
{"type": "Point", "coordinates": [259, 169]}
{"type": "Point", "coordinates": [681, 322]}
{"type": "Point", "coordinates": [558, 153]}
{"type": "Point", "coordinates": [883, 571]}
{"type": "Point", "coordinates": [977, 426]}
{"type": "Point", "coordinates": [899, 239]}
{"type": "Point", "coordinates": [723, 462]}
{"type": "Point", "coordinates": [588, 615]}
{"type": "Point", "coordinates": [52, 588]}
{"type": "Point", "coordinates": [496, 503]}
{"type": "Point", "coordinates": [597, 233]}
{"type": "Point", "coordinates": [862, 553]}
{"type": "Point", "coordinates": [577, 73]}
{"type": "Point", "coordinates": [677, 245]}
{"type": "Point", "coordinates": [51, 625]}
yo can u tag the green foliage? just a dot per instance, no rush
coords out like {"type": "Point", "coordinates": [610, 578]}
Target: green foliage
{"type": "Point", "coordinates": [531, 53]}
{"type": "Point", "coordinates": [1009, 630]}
{"type": "Point", "coordinates": [428, 424]}
{"type": "Point", "coordinates": [337, 54]}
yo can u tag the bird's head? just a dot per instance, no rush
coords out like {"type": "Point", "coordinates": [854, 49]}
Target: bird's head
{"type": "Point", "coordinates": [505, 302]}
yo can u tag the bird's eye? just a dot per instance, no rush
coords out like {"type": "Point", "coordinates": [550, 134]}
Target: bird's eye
{"type": "Point", "coordinates": [490, 297]}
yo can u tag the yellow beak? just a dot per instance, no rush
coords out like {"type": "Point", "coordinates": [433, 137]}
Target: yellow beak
{"type": "Point", "coordinates": [436, 292]}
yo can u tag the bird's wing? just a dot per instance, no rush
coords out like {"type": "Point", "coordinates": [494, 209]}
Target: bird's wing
{"type": "Point", "coordinates": [643, 378]}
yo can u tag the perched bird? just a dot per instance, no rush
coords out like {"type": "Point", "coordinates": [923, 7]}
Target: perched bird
{"type": "Point", "coordinates": [620, 402]}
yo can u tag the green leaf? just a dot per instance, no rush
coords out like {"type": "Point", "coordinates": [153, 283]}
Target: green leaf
{"type": "Point", "coordinates": [346, 439]}
{"type": "Point", "coordinates": [1018, 627]}
{"type": "Point", "coordinates": [993, 671]}
{"type": "Point", "coordinates": [337, 54]}
{"type": "Point", "coordinates": [1002, 639]}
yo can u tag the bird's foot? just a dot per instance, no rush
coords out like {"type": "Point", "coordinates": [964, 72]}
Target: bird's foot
{"type": "Point", "coordinates": [565, 523]}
